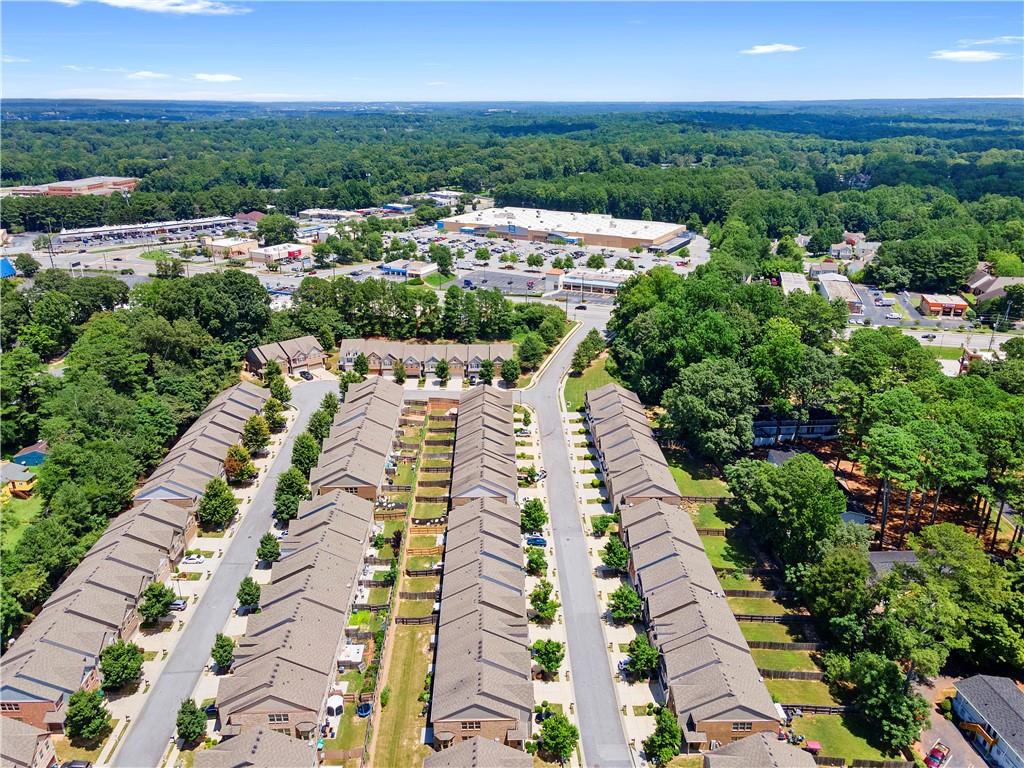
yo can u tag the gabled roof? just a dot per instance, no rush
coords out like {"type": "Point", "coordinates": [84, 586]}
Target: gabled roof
{"type": "Point", "coordinates": [484, 463]}
{"type": "Point", "coordinates": [1001, 703]}
{"type": "Point", "coordinates": [288, 350]}
{"type": "Point", "coordinates": [258, 748]}
{"type": "Point", "coordinates": [762, 750]}
{"type": "Point", "coordinates": [18, 743]}
{"type": "Point", "coordinates": [478, 752]}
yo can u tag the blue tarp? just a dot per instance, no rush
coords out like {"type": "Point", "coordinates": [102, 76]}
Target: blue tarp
{"type": "Point", "coordinates": [6, 268]}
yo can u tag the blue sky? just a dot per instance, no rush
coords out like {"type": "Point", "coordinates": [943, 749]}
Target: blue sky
{"type": "Point", "coordinates": [496, 51]}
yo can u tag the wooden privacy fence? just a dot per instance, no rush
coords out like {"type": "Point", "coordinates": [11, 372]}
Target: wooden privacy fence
{"type": "Point", "coordinates": [441, 498]}
{"type": "Point", "coordinates": [422, 571]}
{"type": "Point", "coordinates": [419, 595]}
{"type": "Point", "coordinates": [767, 645]}
{"type": "Point", "coordinates": [427, 551]}
{"type": "Point", "coordinates": [378, 560]}
{"type": "Point", "coordinates": [435, 471]}
{"type": "Point", "coordinates": [426, 530]}
{"type": "Point", "coordinates": [354, 633]}
{"type": "Point", "coordinates": [440, 520]}
{"type": "Point", "coordinates": [712, 531]}
{"type": "Point", "coordinates": [372, 608]}
{"type": "Point", "coordinates": [439, 441]}
{"type": "Point", "coordinates": [861, 763]}
{"type": "Point", "coordinates": [708, 499]}
{"type": "Point", "coordinates": [764, 619]}
{"type": "Point", "coordinates": [782, 594]}
{"type": "Point", "coordinates": [816, 709]}
{"type": "Point", "coordinates": [789, 674]}
{"type": "Point", "coordinates": [441, 482]}
{"type": "Point", "coordinates": [394, 488]}
{"type": "Point", "coordinates": [838, 762]}
{"type": "Point", "coordinates": [747, 571]}
{"type": "Point", "coordinates": [380, 515]}
{"type": "Point", "coordinates": [416, 619]}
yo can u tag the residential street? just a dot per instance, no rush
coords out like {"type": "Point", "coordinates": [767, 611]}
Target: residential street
{"type": "Point", "coordinates": [148, 737]}
{"type": "Point", "coordinates": [602, 737]}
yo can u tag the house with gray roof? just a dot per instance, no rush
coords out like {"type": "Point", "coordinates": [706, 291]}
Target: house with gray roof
{"type": "Point", "coordinates": [991, 712]}
{"type": "Point", "coordinates": [484, 459]}
{"type": "Point", "coordinates": [24, 746]}
{"type": "Point", "coordinates": [634, 466]}
{"type": "Point", "coordinates": [482, 685]}
{"type": "Point", "coordinates": [258, 748]}
{"type": "Point", "coordinates": [385, 356]}
{"type": "Point", "coordinates": [762, 750]}
{"type": "Point", "coordinates": [293, 355]}
{"type": "Point", "coordinates": [479, 752]}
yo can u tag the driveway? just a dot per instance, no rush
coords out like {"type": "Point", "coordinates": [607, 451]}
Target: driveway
{"type": "Point", "coordinates": [601, 734]}
{"type": "Point", "coordinates": [962, 754]}
{"type": "Point", "coordinates": [148, 737]}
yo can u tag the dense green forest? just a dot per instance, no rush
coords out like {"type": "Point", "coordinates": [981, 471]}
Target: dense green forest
{"type": "Point", "coordinates": [940, 190]}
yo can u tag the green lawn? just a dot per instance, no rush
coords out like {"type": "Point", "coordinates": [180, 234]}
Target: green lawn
{"type": "Point", "coordinates": [437, 280]}
{"type": "Point", "coordinates": [437, 463]}
{"type": "Point", "coordinates": [945, 353]}
{"type": "Point", "coordinates": [399, 726]}
{"type": "Point", "coordinates": [429, 510]}
{"type": "Point", "coordinates": [801, 692]}
{"type": "Point", "coordinates": [737, 580]}
{"type": "Point", "coordinates": [726, 552]}
{"type": "Point", "coordinates": [405, 474]}
{"type": "Point", "coordinates": [15, 518]}
{"type": "Point", "coordinates": [67, 751]}
{"type": "Point", "coordinates": [707, 517]}
{"type": "Point", "coordinates": [421, 562]}
{"type": "Point", "coordinates": [694, 479]}
{"type": "Point", "coordinates": [370, 621]}
{"type": "Point", "coordinates": [420, 584]}
{"type": "Point", "coordinates": [379, 595]}
{"type": "Point", "coordinates": [577, 386]}
{"type": "Point", "coordinates": [772, 633]}
{"type": "Point", "coordinates": [791, 661]}
{"type": "Point", "coordinates": [351, 728]}
{"type": "Point", "coordinates": [423, 542]}
{"type": "Point", "coordinates": [761, 606]}
{"type": "Point", "coordinates": [390, 526]}
{"type": "Point", "coordinates": [846, 736]}
{"type": "Point", "coordinates": [415, 609]}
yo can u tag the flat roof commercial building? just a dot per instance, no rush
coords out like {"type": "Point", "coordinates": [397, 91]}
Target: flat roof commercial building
{"type": "Point", "coordinates": [838, 287]}
{"type": "Point", "coordinates": [177, 227]}
{"type": "Point", "coordinates": [943, 305]}
{"type": "Point", "coordinates": [97, 603]}
{"type": "Point", "coordinates": [552, 226]}
{"type": "Point", "coordinates": [92, 185]}
{"type": "Point", "coordinates": [591, 282]}
{"type": "Point", "coordinates": [484, 459]}
{"type": "Point", "coordinates": [407, 268]}
{"type": "Point", "coordinates": [482, 685]}
{"type": "Point", "coordinates": [634, 466]}
{"type": "Point", "coordinates": [711, 680]}
{"type": "Point", "coordinates": [329, 214]}
{"type": "Point", "coordinates": [793, 282]}
{"type": "Point", "coordinates": [357, 452]}
{"type": "Point", "coordinates": [271, 254]}
{"type": "Point", "coordinates": [292, 355]}
{"type": "Point", "coordinates": [230, 247]}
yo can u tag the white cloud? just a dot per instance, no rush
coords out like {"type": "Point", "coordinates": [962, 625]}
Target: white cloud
{"type": "Point", "coordinates": [216, 78]}
{"type": "Point", "coordinates": [14, 60]}
{"type": "Point", "coordinates": [438, 83]}
{"type": "Point", "coordinates": [145, 74]}
{"type": "Point", "coordinates": [760, 50]}
{"type": "Point", "coordinates": [1001, 40]}
{"type": "Point", "coordinates": [967, 57]}
{"type": "Point", "coordinates": [197, 7]}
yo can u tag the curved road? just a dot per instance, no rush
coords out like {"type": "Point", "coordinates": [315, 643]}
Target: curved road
{"type": "Point", "coordinates": [147, 739]}
{"type": "Point", "coordinates": [601, 733]}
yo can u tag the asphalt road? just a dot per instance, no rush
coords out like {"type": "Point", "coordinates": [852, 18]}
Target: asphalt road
{"type": "Point", "coordinates": [147, 739]}
{"type": "Point", "coordinates": [601, 734]}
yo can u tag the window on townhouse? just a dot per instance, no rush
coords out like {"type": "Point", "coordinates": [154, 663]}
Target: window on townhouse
{"type": "Point", "coordinates": [471, 725]}
{"type": "Point", "coordinates": [7, 706]}
{"type": "Point", "coordinates": [277, 718]}
{"type": "Point", "coordinates": [737, 727]}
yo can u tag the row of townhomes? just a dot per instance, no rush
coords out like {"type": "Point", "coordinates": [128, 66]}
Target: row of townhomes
{"type": "Point", "coordinates": [356, 454]}
{"type": "Point", "coordinates": [708, 676]}
{"type": "Point", "coordinates": [420, 360]}
{"type": "Point", "coordinates": [302, 354]}
{"type": "Point", "coordinates": [97, 603]}
{"type": "Point", "coordinates": [482, 700]}
{"type": "Point", "coordinates": [484, 459]}
{"type": "Point", "coordinates": [633, 464]}
{"type": "Point", "coordinates": [273, 701]}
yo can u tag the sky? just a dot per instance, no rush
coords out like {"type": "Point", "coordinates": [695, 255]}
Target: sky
{"type": "Point", "coordinates": [510, 51]}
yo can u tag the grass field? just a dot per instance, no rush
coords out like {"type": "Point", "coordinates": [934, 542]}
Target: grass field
{"type": "Point", "coordinates": [423, 542]}
{"type": "Point", "coordinates": [405, 474]}
{"type": "Point", "coordinates": [428, 510]}
{"type": "Point", "coordinates": [15, 517]}
{"type": "Point", "coordinates": [437, 280]}
{"type": "Point", "coordinates": [693, 478]}
{"type": "Point", "coordinates": [944, 353]}
{"type": "Point", "coordinates": [846, 736]}
{"type": "Point", "coordinates": [726, 553]}
{"type": "Point", "coordinates": [351, 728]}
{"type": "Point", "coordinates": [761, 606]}
{"type": "Point", "coordinates": [790, 661]}
{"type": "Point", "coordinates": [66, 751]}
{"type": "Point", "coordinates": [801, 692]}
{"type": "Point", "coordinates": [772, 633]}
{"type": "Point", "coordinates": [736, 580]}
{"type": "Point", "coordinates": [707, 517]}
{"type": "Point", "coordinates": [577, 386]}
{"type": "Point", "coordinates": [422, 562]}
{"type": "Point", "coordinates": [415, 609]}
{"type": "Point", "coordinates": [420, 584]}
{"type": "Point", "coordinates": [400, 724]}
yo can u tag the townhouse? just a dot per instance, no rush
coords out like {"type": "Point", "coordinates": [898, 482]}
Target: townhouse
{"type": "Point", "coordinates": [484, 459]}
{"type": "Point", "coordinates": [631, 460]}
{"type": "Point", "coordinates": [97, 603]}
{"type": "Point", "coordinates": [293, 355]}
{"type": "Point", "coordinates": [707, 672]}
{"type": "Point", "coordinates": [482, 673]}
{"type": "Point", "coordinates": [762, 750]}
{"type": "Point", "coordinates": [284, 665]}
{"type": "Point", "coordinates": [258, 747]}
{"type": "Point", "coordinates": [991, 713]}
{"type": "Point", "coordinates": [356, 454]}
{"type": "Point", "coordinates": [479, 752]}
{"type": "Point", "coordinates": [23, 746]}
{"type": "Point", "coordinates": [420, 360]}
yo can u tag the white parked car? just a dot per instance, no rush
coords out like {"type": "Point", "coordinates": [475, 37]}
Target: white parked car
{"type": "Point", "coordinates": [194, 560]}
{"type": "Point", "coordinates": [893, 316]}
